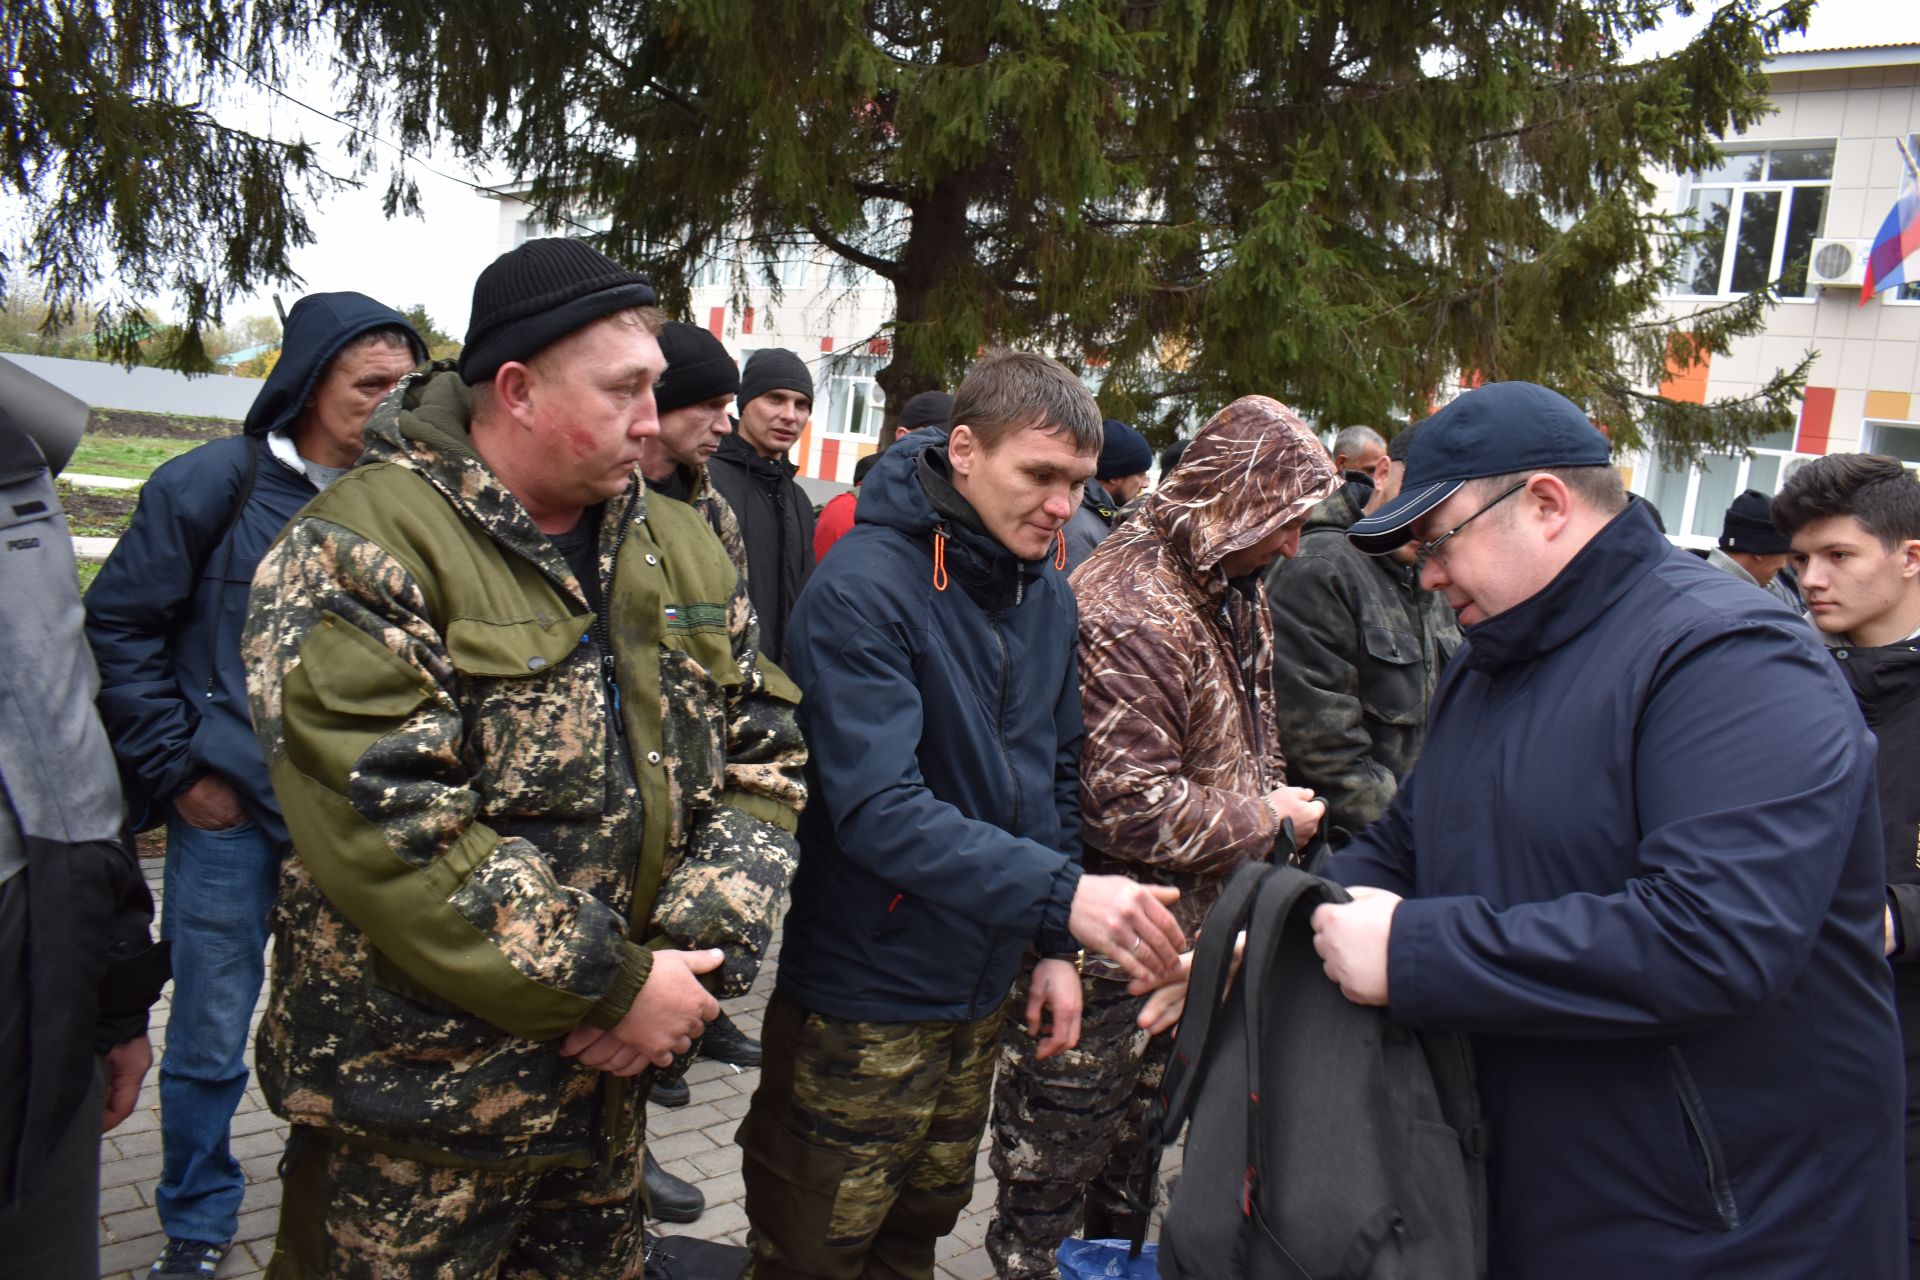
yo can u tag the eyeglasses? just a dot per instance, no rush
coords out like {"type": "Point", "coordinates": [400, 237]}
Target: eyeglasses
{"type": "Point", "coordinates": [1425, 551]}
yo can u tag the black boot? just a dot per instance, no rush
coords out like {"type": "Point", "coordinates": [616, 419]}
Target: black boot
{"type": "Point", "coordinates": [669, 1199]}
{"type": "Point", "coordinates": [670, 1093]}
{"type": "Point", "coordinates": [724, 1042]}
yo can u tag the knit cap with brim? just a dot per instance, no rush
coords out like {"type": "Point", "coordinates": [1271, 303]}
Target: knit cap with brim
{"type": "Point", "coordinates": [531, 297]}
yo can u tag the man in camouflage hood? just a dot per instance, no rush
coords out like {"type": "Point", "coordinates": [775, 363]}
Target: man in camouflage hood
{"type": "Point", "coordinates": [538, 780]}
{"type": "Point", "coordinates": [1181, 781]}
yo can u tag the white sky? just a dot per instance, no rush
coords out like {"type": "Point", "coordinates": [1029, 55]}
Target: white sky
{"type": "Point", "coordinates": [434, 259]}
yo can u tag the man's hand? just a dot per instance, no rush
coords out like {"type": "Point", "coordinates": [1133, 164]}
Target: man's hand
{"type": "Point", "coordinates": [210, 805]}
{"type": "Point", "coordinates": [127, 1065]}
{"type": "Point", "coordinates": [1351, 939]}
{"type": "Point", "coordinates": [1299, 804]}
{"type": "Point", "coordinates": [1167, 998]}
{"type": "Point", "coordinates": [670, 1012]}
{"type": "Point", "coordinates": [1129, 923]}
{"type": "Point", "coordinates": [1055, 990]}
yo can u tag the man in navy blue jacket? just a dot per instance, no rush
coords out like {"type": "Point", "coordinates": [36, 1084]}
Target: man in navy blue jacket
{"type": "Point", "coordinates": [164, 618]}
{"type": "Point", "coordinates": [940, 847]}
{"type": "Point", "coordinates": [1653, 899]}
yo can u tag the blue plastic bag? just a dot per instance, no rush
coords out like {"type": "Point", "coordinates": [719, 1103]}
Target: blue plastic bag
{"type": "Point", "coordinates": [1106, 1260]}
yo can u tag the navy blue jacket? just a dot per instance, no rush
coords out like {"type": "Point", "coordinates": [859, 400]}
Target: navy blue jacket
{"type": "Point", "coordinates": [165, 613]}
{"type": "Point", "coordinates": [1642, 858]}
{"type": "Point", "coordinates": [942, 830]}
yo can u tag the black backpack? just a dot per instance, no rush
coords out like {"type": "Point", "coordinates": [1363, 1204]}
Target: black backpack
{"type": "Point", "coordinates": [1328, 1141]}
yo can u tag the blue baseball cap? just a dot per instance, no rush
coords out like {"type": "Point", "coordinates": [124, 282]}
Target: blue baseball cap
{"type": "Point", "coordinates": [1495, 430]}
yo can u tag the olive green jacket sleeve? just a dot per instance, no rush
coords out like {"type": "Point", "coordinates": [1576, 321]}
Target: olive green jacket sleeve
{"type": "Point", "coordinates": [354, 701]}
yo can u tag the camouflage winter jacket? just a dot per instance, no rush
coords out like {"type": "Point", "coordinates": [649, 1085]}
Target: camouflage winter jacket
{"type": "Point", "coordinates": [1176, 662]}
{"type": "Point", "coordinates": [1358, 647]}
{"type": "Point", "coordinates": [490, 838]}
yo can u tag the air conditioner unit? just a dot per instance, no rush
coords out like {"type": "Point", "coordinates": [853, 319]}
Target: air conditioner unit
{"type": "Point", "coordinates": [876, 398]}
{"type": "Point", "coordinates": [1839, 264]}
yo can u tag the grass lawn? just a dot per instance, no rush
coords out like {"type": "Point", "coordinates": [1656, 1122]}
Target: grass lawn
{"type": "Point", "coordinates": [132, 458]}
{"type": "Point", "coordinates": [89, 570]}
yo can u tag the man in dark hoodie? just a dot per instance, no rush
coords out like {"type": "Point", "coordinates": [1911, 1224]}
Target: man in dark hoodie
{"type": "Point", "coordinates": [1358, 647]}
{"type": "Point", "coordinates": [78, 968]}
{"type": "Point", "coordinates": [164, 617]}
{"type": "Point", "coordinates": [941, 850]}
{"type": "Point", "coordinates": [751, 471]}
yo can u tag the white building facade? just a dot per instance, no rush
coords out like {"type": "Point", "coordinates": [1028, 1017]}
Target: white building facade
{"type": "Point", "coordinates": [1799, 198]}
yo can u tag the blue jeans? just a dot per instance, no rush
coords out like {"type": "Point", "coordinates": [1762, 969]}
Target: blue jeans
{"type": "Point", "coordinates": [219, 888]}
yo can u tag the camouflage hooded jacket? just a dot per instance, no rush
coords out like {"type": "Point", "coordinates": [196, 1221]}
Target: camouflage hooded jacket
{"type": "Point", "coordinates": [694, 486]}
{"type": "Point", "coordinates": [489, 837]}
{"type": "Point", "coordinates": [1176, 662]}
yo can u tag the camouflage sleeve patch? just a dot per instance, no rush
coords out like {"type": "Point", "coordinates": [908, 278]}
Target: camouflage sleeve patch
{"type": "Point", "coordinates": [765, 755]}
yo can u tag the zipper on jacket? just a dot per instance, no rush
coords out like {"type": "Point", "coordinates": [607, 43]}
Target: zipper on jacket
{"type": "Point", "coordinates": [1695, 1108]}
{"type": "Point", "coordinates": [603, 627]}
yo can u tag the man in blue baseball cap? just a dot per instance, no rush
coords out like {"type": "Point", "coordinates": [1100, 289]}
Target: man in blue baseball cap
{"type": "Point", "coordinates": [1663, 932]}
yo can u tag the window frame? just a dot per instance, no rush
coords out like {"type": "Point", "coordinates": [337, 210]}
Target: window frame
{"type": "Point", "coordinates": [1738, 192]}
{"type": "Point", "coordinates": [1679, 531]}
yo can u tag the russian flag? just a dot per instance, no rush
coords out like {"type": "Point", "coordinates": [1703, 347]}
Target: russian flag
{"type": "Point", "coordinates": [1899, 237]}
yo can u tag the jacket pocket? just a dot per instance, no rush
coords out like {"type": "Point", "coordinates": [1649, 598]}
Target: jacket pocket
{"type": "Point", "coordinates": [536, 715]}
{"type": "Point", "coordinates": [1703, 1144]}
{"type": "Point", "coordinates": [697, 676]}
{"type": "Point", "coordinates": [1391, 685]}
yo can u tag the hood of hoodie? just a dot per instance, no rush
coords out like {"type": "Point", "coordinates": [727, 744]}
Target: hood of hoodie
{"type": "Point", "coordinates": [1252, 468]}
{"type": "Point", "coordinates": [319, 325]}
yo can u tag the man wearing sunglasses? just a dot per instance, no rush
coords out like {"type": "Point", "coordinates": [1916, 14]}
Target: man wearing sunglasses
{"type": "Point", "coordinates": [1662, 929]}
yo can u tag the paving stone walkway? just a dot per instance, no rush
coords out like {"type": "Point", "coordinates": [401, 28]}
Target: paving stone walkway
{"type": "Point", "coordinates": [694, 1142]}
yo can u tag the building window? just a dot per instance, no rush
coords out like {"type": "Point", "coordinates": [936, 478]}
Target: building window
{"type": "Point", "coordinates": [1897, 440]}
{"type": "Point", "coordinates": [1693, 501]}
{"type": "Point", "coordinates": [1759, 212]}
{"type": "Point", "coordinates": [854, 400]}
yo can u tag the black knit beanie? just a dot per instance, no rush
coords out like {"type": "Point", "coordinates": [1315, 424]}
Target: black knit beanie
{"type": "Point", "coordinates": [774, 369]}
{"type": "Point", "coordinates": [928, 409]}
{"type": "Point", "coordinates": [698, 367]}
{"type": "Point", "coordinates": [1749, 527]}
{"type": "Point", "coordinates": [531, 297]}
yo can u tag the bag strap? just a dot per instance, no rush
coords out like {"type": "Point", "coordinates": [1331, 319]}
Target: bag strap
{"type": "Point", "coordinates": [1206, 987]}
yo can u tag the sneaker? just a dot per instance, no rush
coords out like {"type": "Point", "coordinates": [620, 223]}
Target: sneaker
{"type": "Point", "coordinates": [725, 1042]}
{"type": "Point", "coordinates": [189, 1258]}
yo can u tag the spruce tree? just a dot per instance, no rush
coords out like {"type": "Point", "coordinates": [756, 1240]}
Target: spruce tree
{"type": "Point", "coordinates": [1341, 205]}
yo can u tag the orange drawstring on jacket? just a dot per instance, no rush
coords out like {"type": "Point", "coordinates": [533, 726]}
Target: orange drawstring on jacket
{"type": "Point", "coordinates": [939, 559]}
{"type": "Point", "coordinates": [1059, 548]}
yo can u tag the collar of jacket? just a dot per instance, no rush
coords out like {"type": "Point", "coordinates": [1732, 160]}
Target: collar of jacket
{"type": "Point", "coordinates": [992, 575]}
{"type": "Point", "coordinates": [769, 471]}
{"type": "Point", "coordinates": [1097, 500]}
{"type": "Point", "coordinates": [1603, 571]}
{"type": "Point", "coordinates": [424, 428]}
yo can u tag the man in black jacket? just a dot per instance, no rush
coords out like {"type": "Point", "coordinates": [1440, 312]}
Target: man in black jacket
{"type": "Point", "coordinates": [1854, 521]}
{"type": "Point", "coordinates": [78, 968]}
{"type": "Point", "coordinates": [164, 617]}
{"type": "Point", "coordinates": [941, 850]}
{"type": "Point", "coordinates": [751, 471]}
{"type": "Point", "coordinates": [1358, 647]}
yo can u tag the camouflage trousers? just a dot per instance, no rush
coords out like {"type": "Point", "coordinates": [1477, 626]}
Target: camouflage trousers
{"type": "Point", "coordinates": [1066, 1131]}
{"type": "Point", "coordinates": [858, 1148]}
{"type": "Point", "coordinates": [349, 1213]}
